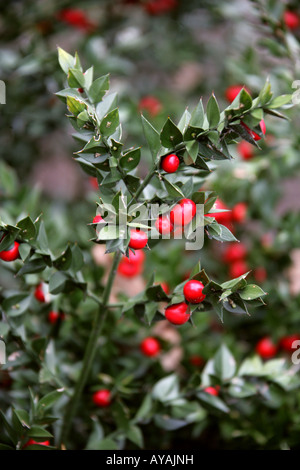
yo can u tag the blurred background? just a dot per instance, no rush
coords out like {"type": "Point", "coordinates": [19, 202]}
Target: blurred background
{"type": "Point", "coordinates": [162, 56]}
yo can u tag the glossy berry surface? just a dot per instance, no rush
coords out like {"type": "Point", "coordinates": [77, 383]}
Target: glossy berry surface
{"type": "Point", "coordinates": [192, 291]}
{"type": "Point", "coordinates": [150, 346]}
{"type": "Point", "coordinates": [11, 254]}
{"type": "Point", "coordinates": [265, 348]}
{"type": "Point", "coordinates": [127, 269]}
{"type": "Point", "coordinates": [39, 293]}
{"type": "Point", "coordinates": [183, 213]}
{"type": "Point", "coordinates": [177, 314]}
{"type": "Point", "coordinates": [138, 239]}
{"type": "Point", "coordinates": [163, 225]}
{"type": "Point", "coordinates": [97, 219]}
{"type": "Point", "coordinates": [102, 398]}
{"type": "Point", "coordinates": [170, 163]}
{"type": "Point", "coordinates": [291, 19]}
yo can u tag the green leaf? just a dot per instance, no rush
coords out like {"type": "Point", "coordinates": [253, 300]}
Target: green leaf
{"type": "Point", "coordinates": [27, 228]}
{"type": "Point", "coordinates": [107, 444]}
{"type": "Point", "coordinates": [213, 112]}
{"type": "Point", "coordinates": [213, 401]}
{"type": "Point", "coordinates": [110, 122]}
{"type": "Point", "coordinates": [279, 101]}
{"type": "Point", "coordinates": [184, 121]}
{"type": "Point", "coordinates": [134, 434]}
{"type": "Point", "coordinates": [151, 136]}
{"type": "Point", "coordinates": [173, 190]}
{"type": "Point", "coordinates": [108, 103]}
{"type": "Point", "coordinates": [16, 305]}
{"type": "Point", "coordinates": [66, 60]}
{"type": "Point", "coordinates": [98, 89]}
{"type": "Point", "coordinates": [76, 79]}
{"type": "Point", "coordinates": [221, 233]}
{"type": "Point", "coordinates": [266, 94]}
{"type": "Point", "coordinates": [245, 100]}
{"type": "Point", "coordinates": [157, 294]}
{"type": "Point", "coordinates": [130, 160]}
{"type": "Point", "coordinates": [145, 409]}
{"type": "Point", "coordinates": [23, 417]}
{"type": "Point", "coordinates": [38, 432]}
{"type": "Point", "coordinates": [57, 282]}
{"type": "Point", "coordinates": [251, 292]}
{"type": "Point", "coordinates": [49, 399]}
{"type": "Point", "coordinates": [197, 117]}
{"type": "Point", "coordinates": [166, 389]}
{"type": "Point", "coordinates": [63, 262]}
{"type": "Point", "coordinates": [96, 436]}
{"type": "Point", "coordinates": [224, 363]}
{"type": "Point", "coordinates": [33, 266]}
{"type": "Point", "coordinates": [75, 105]}
{"type": "Point", "coordinates": [169, 424]}
{"type": "Point", "coordinates": [170, 135]}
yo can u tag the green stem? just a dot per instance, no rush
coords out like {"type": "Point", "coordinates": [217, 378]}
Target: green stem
{"type": "Point", "coordinates": [89, 352]}
{"type": "Point", "coordinates": [143, 185]}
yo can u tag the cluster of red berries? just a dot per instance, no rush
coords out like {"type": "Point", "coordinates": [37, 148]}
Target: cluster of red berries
{"type": "Point", "coordinates": [235, 256]}
{"type": "Point", "coordinates": [133, 265]}
{"type": "Point", "coordinates": [181, 215]}
{"type": "Point", "coordinates": [179, 313]}
{"type": "Point", "coordinates": [267, 349]}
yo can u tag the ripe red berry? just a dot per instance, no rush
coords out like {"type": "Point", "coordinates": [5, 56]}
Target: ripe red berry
{"type": "Point", "coordinates": [31, 442]}
{"type": "Point", "coordinates": [196, 360]}
{"type": "Point", "coordinates": [54, 316]}
{"type": "Point", "coordinates": [80, 90]}
{"type": "Point", "coordinates": [237, 268]}
{"type": "Point", "coordinates": [102, 398]}
{"type": "Point", "coordinates": [192, 292]}
{"type": "Point", "coordinates": [252, 133]}
{"type": "Point", "coordinates": [150, 346]}
{"type": "Point", "coordinates": [93, 182]}
{"type": "Point", "coordinates": [159, 7]}
{"type": "Point", "coordinates": [76, 18]}
{"type": "Point", "coordinates": [165, 287]}
{"type": "Point", "coordinates": [150, 104]}
{"type": "Point", "coordinates": [291, 19]}
{"type": "Point", "coordinates": [137, 257]}
{"type": "Point", "coordinates": [232, 92]}
{"type": "Point", "coordinates": [138, 239]}
{"type": "Point", "coordinates": [163, 225]}
{"type": "Point", "coordinates": [127, 269]}
{"type": "Point", "coordinates": [265, 348]}
{"type": "Point", "coordinates": [97, 219]}
{"type": "Point", "coordinates": [170, 163]}
{"type": "Point", "coordinates": [260, 274]}
{"type": "Point", "coordinates": [234, 251]}
{"type": "Point", "coordinates": [245, 149]}
{"type": "Point", "coordinates": [239, 212]}
{"type": "Point", "coordinates": [183, 213]}
{"type": "Point", "coordinates": [177, 314]}
{"type": "Point", "coordinates": [223, 218]}
{"type": "Point", "coordinates": [212, 391]}
{"type": "Point", "coordinates": [11, 254]}
{"type": "Point", "coordinates": [286, 342]}
{"type": "Point", "coordinates": [39, 293]}
{"type": "Point", "coordinates": [262, 126]}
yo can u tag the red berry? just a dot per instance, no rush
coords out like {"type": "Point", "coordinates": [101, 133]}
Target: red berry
{"type": "Point", "coordinates": [260, 274]}
{"type": "Point", "coordinates": [234, 251]}
{"type": "Point", "coordinates": [232, 92]}
{"type": "Point", "coordinates": [291, 19]}
{"type": "Point", "coordinates": [93, 182]}
{"type": "Point", "coordinates": [183, 213]}
{"type": "Point", "coordinates": [165, 287]}
{"type": "Point", "coordinates": [150, 347]}
{"type": "Point", "coordinates": [102, 398]}
{"type": "Point", "coordinates": [196, 360]}
{"type": "Point", "coordinates": [97, 219]}
{"type": "Point", "coordinates": [170, 163]}
{"type": "Point", "coordinates": [11, 254]}
{"type": "Point", "coordinates": [177, 314]}
{"type": "Point", "coordinates": [150, 104]}
{"type": "Point", "coordinates": [127, 269]}
{"type": "Point", "coordinates": [77, 18]}
{"type": "Point", "coordinates": [137, 257]}
{"type": "Point", "coordinates": [53, 317]}
{"type": "Point", "coordinates": [286, 343]}
{"type": "Point", "coordinates": [39, 293]}
{"type": "Point", "coordinates": [239, 212]}
{"type": "Point", "coordinates": [252, 133]}
{"type": "Point", "coordinates": [192, 292]}
{"type": "Point", "coordinates": [262, 126]}
{"type": "Point", "coordinates": [245, 150]}
{"type": "Point", "coordinates": [80, 90]}
{"type": "Point", "coordinates": [159, 7]}
{"type": "Point", "coordinates": [212, 391]}
{"type": "Point", "coordinates": [237, 268]}
{"type": "Point", "coordinates": [265, 348]}
{"type": "Point", "coordinates": [31, 442]}
{"type": "Point", "coordinates": [163, 225]}
{"type": "Point", "coordinates": [138, 239]}
{"type": "Point", "coordinates": [223, 218]}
